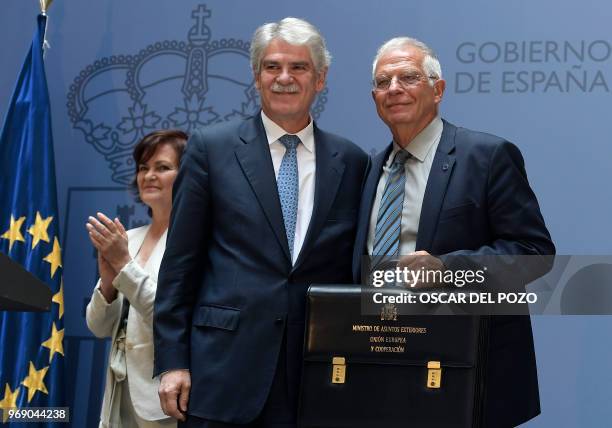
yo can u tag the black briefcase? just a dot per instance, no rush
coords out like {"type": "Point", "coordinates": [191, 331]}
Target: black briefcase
{"type": "Point", "coordinates": [389, 370]}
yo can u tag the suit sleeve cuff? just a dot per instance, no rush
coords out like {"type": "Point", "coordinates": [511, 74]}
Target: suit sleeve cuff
{"type": "Point", "coordinates": [159, 376]}
{"type": "Point", "coordinates": [130, 273]}
{"type": "Point", "coordinates": [98, 299]}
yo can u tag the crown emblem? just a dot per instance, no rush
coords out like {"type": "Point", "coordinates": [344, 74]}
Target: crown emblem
{"type": "Point", "coordinates": [388, 312]}
{"type": "Point", "coordinates": [188, 84]}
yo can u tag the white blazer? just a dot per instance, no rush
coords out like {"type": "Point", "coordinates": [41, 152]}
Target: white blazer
{"type": "Point", "coordinates": [138, 285]}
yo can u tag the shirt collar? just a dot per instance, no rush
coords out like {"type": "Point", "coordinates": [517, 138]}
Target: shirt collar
{"type": "Point", "coordinates": [420, 146]}
{"type": "Point", "coordinates": [274, 132]}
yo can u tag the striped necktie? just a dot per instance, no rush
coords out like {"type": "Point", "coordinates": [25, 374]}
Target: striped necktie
{"type": "Point", "coordinates": [388, 223]}
{"type": "Point", "coordinates": [288, 186]}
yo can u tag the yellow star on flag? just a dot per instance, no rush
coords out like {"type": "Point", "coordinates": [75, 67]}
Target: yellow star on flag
{"type": "Point", "coordinates": [54, 343]}
{"type": "Point", "coordinates": [14, 232]}
{"type": "Point", "coordinates": [55, 257]}
{"type": "Point", "coordinates": [9, 401]}
{"type": "Point", "coordinates": [59, 299]}
{"type": "Point", "coordinates": [35, 381]}
{"type": "Point", "coordinates": [39, 229]}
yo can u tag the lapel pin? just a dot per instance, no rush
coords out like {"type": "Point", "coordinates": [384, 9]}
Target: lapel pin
{"type": "Point", "coordinates": [445, 167]}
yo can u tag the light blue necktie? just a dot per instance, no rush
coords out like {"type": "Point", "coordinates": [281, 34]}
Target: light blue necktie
{"type": "Point", "coordinates": [389, 221]}
{"type": "Point", "coordinates": [288, 186]}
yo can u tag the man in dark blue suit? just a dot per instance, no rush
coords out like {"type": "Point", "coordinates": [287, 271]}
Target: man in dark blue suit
{"type": "Point", "coordinates": [262, 209]}
{"type": "Point", "coordinates": [441, 191]}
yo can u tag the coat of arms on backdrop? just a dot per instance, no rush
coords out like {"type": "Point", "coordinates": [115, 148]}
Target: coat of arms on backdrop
{"type": "Point", "coordinates": [169, 84]}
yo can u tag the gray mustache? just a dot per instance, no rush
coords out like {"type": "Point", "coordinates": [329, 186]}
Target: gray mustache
{"type": "Point", "coordinates": [284, 89]}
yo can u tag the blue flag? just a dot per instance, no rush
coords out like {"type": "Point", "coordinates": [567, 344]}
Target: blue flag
{"type": "Point", "coordinates": [31, 344]}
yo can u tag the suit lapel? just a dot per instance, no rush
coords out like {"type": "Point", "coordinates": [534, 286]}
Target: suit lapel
{"type": "Point", "coordinates": [135, 240]}
{"type": "Point", "coordinates": [152, 265]}
{"type": "Point", "coordinates": [437, 183]}
{"type": "Point", "coordinates": [365, 208]}
{"type": "Point", "coordinates": [328, 175]}
{"type": "Point", "coordinates": [256, 163]}
{"type": "Point", "coordinates": [369, 191]}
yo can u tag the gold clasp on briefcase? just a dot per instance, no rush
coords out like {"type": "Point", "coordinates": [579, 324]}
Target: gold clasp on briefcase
{"type": "Point", "coordinates": [338, 370]}
{"type": "Point", "coordinates": [434, 374]}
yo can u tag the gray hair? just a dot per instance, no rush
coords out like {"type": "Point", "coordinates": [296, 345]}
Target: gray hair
{"type": "Point", "coordinates": [431, 64]}
{"type": "Point", "coordinates": [295, 32]}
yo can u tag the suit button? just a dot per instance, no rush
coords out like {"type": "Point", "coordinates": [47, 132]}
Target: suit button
{"type": "Point", "coordinates": [278, 321]}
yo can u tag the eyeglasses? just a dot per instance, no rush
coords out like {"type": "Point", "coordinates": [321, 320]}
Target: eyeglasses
{"type": "Point", "coordinates": [406, 81]}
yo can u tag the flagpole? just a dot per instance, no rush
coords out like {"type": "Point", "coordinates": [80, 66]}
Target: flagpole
{"type": "Point", "coordinates": [44, 6]}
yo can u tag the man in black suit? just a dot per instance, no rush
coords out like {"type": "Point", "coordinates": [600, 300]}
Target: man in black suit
{"type": "Point", "coordinates": [441, 190]}
{"type": "Point", "coordinates": [262, 209]}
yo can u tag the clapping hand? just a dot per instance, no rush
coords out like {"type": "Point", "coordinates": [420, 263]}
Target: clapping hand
{"type": "Point", "coordinates": [110, 240]}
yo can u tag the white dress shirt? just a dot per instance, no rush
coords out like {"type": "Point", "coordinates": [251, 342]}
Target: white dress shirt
{"type": "Point", "coordinates": [306, 173]}
{"type": "Point", "coordinates": [423, 149]}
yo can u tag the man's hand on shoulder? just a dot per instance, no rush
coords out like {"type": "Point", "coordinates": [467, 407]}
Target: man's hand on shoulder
{"type": "Point", "coordinates": [173, 391]}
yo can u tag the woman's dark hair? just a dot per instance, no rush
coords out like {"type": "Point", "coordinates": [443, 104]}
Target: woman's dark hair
{"type": "Point", "coordinates": [145, 148]}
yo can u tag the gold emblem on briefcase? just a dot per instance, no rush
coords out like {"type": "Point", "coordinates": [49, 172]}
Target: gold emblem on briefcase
{"type": "Point", "coordinates": [388, 312]}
